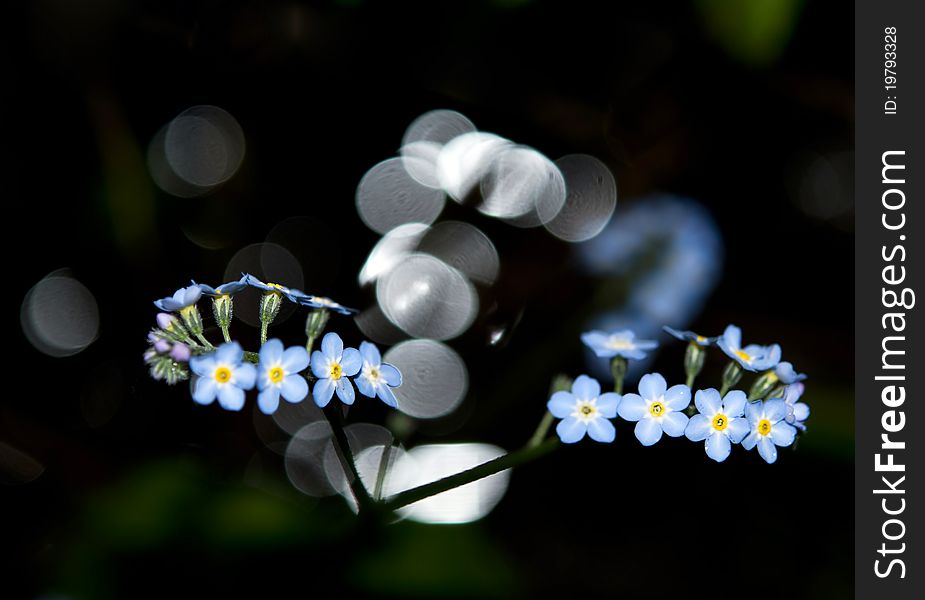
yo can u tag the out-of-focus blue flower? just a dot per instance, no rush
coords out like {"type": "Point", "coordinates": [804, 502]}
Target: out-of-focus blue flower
{"type": "Point", "coordinates": [322, 302]}
{"type": "Point", "coordinates": [226, 289]}
{"type": "Point", "coordinates": [657, 409]}
{"type": "Point", "coordinates": [767, 428]}
{"type": "Point", "coordinates": [619, 343]}
{"type": "Point", "coordinates": [797, 412]}
{"type": "Point", "coordinates": [292, 294]}
{"type": "Point", "coordinates": [332, 365]}
{"type": "Point", "coordinates": [668, 252]}
{"type": "Point", "coordinates": [222, 374]}
{"type": "Point", "coordinates": [690, 336]}
{"type": "Point", "coordinates": [752, 357]}
{"type": "Point", "coordinates": [278, 373]}
{"type": "Point", "coordinates": [720, 421]}
{"type": "Point", "coordinates": [376, 377]}
{"type": "Point", "coordinates": [787, 374]}
{"type": "Point", "coordinates": [183, 297]}
{"type": "Point", "coordinates": [584, 410]}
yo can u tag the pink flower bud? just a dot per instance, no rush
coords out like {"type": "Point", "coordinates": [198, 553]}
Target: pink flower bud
{"type": "Point", "coordinates": [180, 352]}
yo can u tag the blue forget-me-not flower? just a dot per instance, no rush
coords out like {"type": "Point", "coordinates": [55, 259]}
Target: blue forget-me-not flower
{"type": "Point", "coordinates": [657, 408]}
{"type": "Point", "coordinates": [332, 365]}
{"type": "Point", "coordinates": [222, 374]}
{"type": "Point", "coordinates": [720, 421]}
{"type": "Point", "coordinates": [619, 343]}
{"type": "Point", "coordinates": [376, 377]}
{"type": "Point", "coordinates": [584, 410]}
{"type": "Point", "coordinates": [278, 375]}
{"type": "Point", "coordinates": [752, 357]}
{"type": "Point", "coordinates": [767, 428]}
{"type": "Point", "coordinates": [183, 297]}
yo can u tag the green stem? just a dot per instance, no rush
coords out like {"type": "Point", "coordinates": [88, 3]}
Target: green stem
{"type": "Point", "coordinates": [524, 455]}
{"type": "Point", "coordinates": [540, 434]}
{"type": "Point", "coordinates": [690, 380]}
{"type": "Point", "coordinates": [204, 341]}
{"type": "Point", "coordinates": [264, 325]}
{"type": "Point", "coordinates": [345, 454]}
{"type": "Point", "coordinates": [226, 334]}
{"type": "Point", "coordinates": [251, 357]}
{"type": "Point", "coordinates": [618, 367]}
{"type": "Point", "coordinates": [383, 467]}
{"type": "Point", "coordinates": [309, 344]}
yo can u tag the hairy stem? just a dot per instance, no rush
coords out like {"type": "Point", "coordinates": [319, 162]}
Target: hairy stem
{"type": "Point", "coordinates": [345, 454]}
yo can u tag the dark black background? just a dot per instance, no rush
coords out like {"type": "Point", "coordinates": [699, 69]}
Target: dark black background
{"type": "Point", "coordinates": [323, 91]}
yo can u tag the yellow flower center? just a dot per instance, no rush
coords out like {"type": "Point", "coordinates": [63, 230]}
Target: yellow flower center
{"type": "Point", "coordinates": [222, 375]}
{"type": "Point", "coordinates": [764, 427]}
{"type": "Point", "coordinates": [585, 411]}
{"type": "Point", "coordinates": [657, 409]}
{"type": "Point", "coordinates": [744, 355]}
{"type": "Point", "coordinates": [701, 339]}
{"type": "Point", "coordinates": [187, 310]}
{"type": "Point", "coordinates": [720, 422]}
{"type": "Point", "coordinates": [276, 374]}
{"type": "Point", "coordinates": [619, 344]}
{"type": "Point", "coordinates": [336, 371]}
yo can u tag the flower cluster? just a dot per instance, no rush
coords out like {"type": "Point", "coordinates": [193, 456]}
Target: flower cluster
{"type": "Point", "coordinates": [768, 417]}
{"type": "Point", "coordinates": [179, 349]}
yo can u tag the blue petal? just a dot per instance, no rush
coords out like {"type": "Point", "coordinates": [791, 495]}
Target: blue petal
{"type": "Point", "coordinates": [319, 365]}
{"type": "Point", "coordinates": [783, 434]}
{"type": "Point", "coordinates": [586, 388]}
{"type": "Point", "coordinates": [345, 391]}
{"type": "Point", "coordinates": [708, 402]}
{"type": "Point", "coordinates": [204, 390]}
{"type": "Point", "coordinates": [732, 337]}
{"type": "Point", "coordinates": [229, 353]}
{"type": "Point", "coordinates": [750, 440]}
{"type": "Point", "coordinates": [675, 333]}
{"type": "Point", "coordinates": [718, 446]}
{"type": "Point", "coordinates": [767, 449]}
{"type": "Point", "coordinates": [386, 395]}
{"type": "Point", "coordinates": [230, 397]}
{"type": "Point", "coordinates": [632, 407]}
{"type": "Point", "coordinates": [801, 411]}
{"type": "Point", "coordinates": [366, 388]}
{"type": "Point", "coordinates": [698, 428]}
{"type": "Point", "coordinates": [561, 404]}
{"type": "Point", "coordinates": [734, 403]}
{"type": "Point", "coordinates": [673, 423]}
{"type": "Point", "coordinates": [370, 354]}
{"type": "Point", "coordinates": [775, 409]}
{"type": "Point", "coordinates": [652, 386]}
{"type": "Point", "coordinates": [322, 392]}
{"type": "Point", "coordinates": [678, 397]}
{"type": "Point", "coordinates": [607, 404]}
{"type": "Point", "coordinates": [391, 374]}
{"type": "Point", "coordinates": [351, 362]}
{"type": "Point", "coordinates": [737, 429]}
{"type": "Point", "coordinates": [268, 400]}
{"type": "Point", "coordinates": [595, 340]}
{"type": "Point", "coordinates": [571, 430]}
{"type": "Point", "coordinates": [294, 388]}
{"type": "Point", "coordinates": [646, 344]}
{"type": "Point", "coordinates": [271, 353]}
{"type": "Point", "coordinates": [245, 376]}
{"type": "Point", "coordinates": [295, 359]}
{"type": "Point", "coordinates": [648, 431]}
{"type": "Point", "coordinates": [602, 430]}
{"type": "Point", "coordinates": [332, 346]}
{"type": "Point", "coordinates": [754, 412]}
{"type": "Point", "coordinates": [203, 365]}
